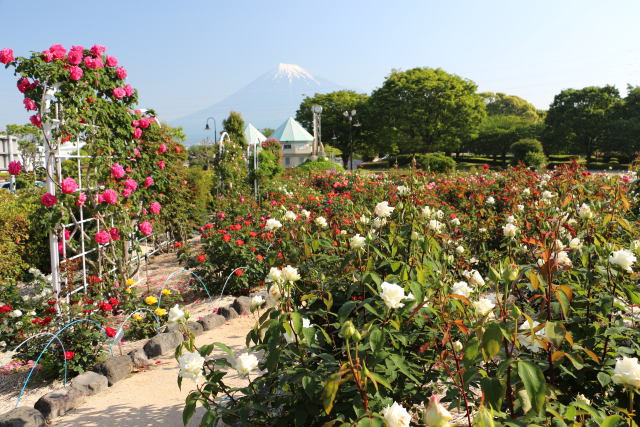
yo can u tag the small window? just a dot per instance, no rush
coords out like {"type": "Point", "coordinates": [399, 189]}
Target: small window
{"type": "Point", "coordinates": [287, 146]}
{"type": "Point", "coordinates": [287, 161]}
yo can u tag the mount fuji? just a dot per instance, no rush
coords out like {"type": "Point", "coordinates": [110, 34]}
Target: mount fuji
{"type": "Point", "coordinates": [265, 102]}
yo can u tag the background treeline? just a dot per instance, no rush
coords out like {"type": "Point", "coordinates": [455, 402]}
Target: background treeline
{"type": "Point", "coordinates": [426, 110]}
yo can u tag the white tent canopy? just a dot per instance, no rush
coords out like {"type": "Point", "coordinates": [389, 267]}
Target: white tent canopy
{"type": "Point", "coordinates": [253, 135]}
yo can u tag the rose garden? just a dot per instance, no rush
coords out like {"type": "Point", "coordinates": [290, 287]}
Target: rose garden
{"type": "Point", "coordinates": [401, 297]}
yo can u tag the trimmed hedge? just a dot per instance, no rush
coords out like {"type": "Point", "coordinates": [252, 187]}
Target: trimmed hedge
{"type": "Point", "coordinates": [322, 164]}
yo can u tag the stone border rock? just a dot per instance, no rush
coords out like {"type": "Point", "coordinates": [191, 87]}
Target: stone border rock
{"type": "Point", "coordinates": [116, 368]}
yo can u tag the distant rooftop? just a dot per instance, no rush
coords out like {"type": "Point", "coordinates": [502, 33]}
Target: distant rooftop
{"type": "Point", "coordinates": [292, 131]}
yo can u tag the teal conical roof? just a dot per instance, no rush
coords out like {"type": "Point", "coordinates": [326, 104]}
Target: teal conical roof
{"type": "Point", "coordinates": [292, 131]}
{"type": "Point", "coordinates": [253, 135]}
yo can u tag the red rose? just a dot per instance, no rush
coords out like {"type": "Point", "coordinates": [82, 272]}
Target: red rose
{"type": "Point", "coordinates": [110, 332]}
{"type": "Point", "coordinates": [68, 355]}
{"type": "Point", "coordinates": [48, 200]}
{"type": "Point", "coordinates": [238, 272]}
{"type": "Point", "coordinates": [201, 257]}
{"type": "Point", "coordinates": [6, 55]}
{"type": "Point", "coordinates": [226, 237]}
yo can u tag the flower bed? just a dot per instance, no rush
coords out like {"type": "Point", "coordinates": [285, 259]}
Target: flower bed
{"type": "Point", "coordinates": [403, 299]}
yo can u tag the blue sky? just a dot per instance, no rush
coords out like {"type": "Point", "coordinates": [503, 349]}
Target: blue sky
{"type": "Point", "coordinates": [184, 56]}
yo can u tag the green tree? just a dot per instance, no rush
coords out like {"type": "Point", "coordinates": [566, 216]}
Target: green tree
{"type": "Point", "coordinates": [28, 140]}
{"type": "Point", "coordinates": [201, 156]}
{"type": "Point", "coordinates": [497, 134]}
{"type": "Point", "coordinates": [500, 104]}
{"type": "Point", "coordinates": [334, 123]}
{"type": "Point", "coordinates": [267, 132]}
{"type": "Point", "coordinates": [234, 126]}
{"type": "Point", "coordinates": [623, 135]}
{"type": "Point", "coordinates": [424, 109]}
{"type": "Point", "coordinates": [578, 120]}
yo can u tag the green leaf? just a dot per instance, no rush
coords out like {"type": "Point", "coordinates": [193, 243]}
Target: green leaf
{"type": "Point", "coordinates": [376, 337]}
{"type": "Point", "coordinates": [399, 362]}
{"type": "Point", "coordinates": [471, 352]}
{"type": "Point", "coordinates": [345, 310]}
{"type": "Point", "coordinates": [604, 379]}
{"type": "Point", "coordinates": [370, 422]}
{"type": "Point", "coordinates": [491, 340]}
{"type": "Point", "coordinates": [296, 320]}
{"type": "Point", "coordinates": [330, 390]}
{"type": "Point", "coordinates": [555, 332]}
{"type": "Point", "coordinates": [225, 348]}
{"type": "Point", "coordinates": [206, 350]}
{"type": "Point", "coordinates": [493, 391]}
{"type": "Point", "coordinates": [208, 419]}
{"type": "Point", "coordinates": [189, 408]}
{"type": "Point", "coordinates": [534, 383]}
{"type": "Point", "coordinates": [611, 421]}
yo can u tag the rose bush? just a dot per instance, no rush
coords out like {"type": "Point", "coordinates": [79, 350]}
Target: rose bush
{"type": "Point", "coordinates": [533, 322]}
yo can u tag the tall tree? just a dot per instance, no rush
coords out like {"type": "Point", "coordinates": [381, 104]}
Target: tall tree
{"type": "Point", "coordinates": [267, 132]}
{"type": "Point", "coordinates": [509, 105]}
{"type": "Point", "coordinates": [424, 109]}
{"type": "Point", "coordinates": [578, 119]}
{"type": "Point", "coordinates": [234, 126]}
{"type": "Point", "coordinates": [335, 126]}
{"type": "Point", "coordinates": [28, 141]}
{"type": "Point", "coordinates": [498, 132]}
{"type": "Point", "coordinates": [623, 135]}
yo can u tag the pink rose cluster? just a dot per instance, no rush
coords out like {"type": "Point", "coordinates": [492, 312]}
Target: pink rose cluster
{"type": "Point", "coordinates": [15, 168]}
{"type": "Point", "coordinates": [24, 85]}
{"type": "Point", "coordinates": [29, 104]}
{"type": "Point", "coordinates": [6, 55]}
{"type": "Point", "coordinates": [48, 200]}
{"type": "Point", "coordinates": [117, 171]}
{"type": "Point", "coordinates": [155, 208]}
{"type": "Point", "coordinates": [145, 228]}
{"type": "Point", "coordinates": [142, 123]}
{"type": "Point", "coordinates": [108, 196]}
{"type": "Point", "coordinates": [148, 182]}
{"type": "Point", "coordinates": [82, 198]}
{"type": "Point", "coordinates": [102, 237]}
{"type": "Point", "coordinates": [69, 186]}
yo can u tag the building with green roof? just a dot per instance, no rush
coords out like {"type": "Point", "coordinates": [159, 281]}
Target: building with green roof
{"type": "Point", "coordinates": [296, 143]}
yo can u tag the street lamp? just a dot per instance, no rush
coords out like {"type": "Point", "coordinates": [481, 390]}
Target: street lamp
{"type": "Point", "coordinates": [215, 135]}
{"type": "Point", "coordinates": [350, 116]}
{"type": "Point", "coordinates": [317, 111]}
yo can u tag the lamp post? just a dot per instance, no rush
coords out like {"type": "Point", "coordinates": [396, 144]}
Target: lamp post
{"type": "Point", "coordinates": [317, 111]}
{"type": "Point", "coordinates": [350, 116]}
{"type": "Point", "coordinates": [215, 134]}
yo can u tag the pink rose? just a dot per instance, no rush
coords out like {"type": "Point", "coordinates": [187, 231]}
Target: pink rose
{"type": "Point", "coordinates": [148, 182]}
{"type": "Point", "coordinates": [88, 61]}
{"type": "Point", "coordinates": [121, 73]}
{"type": "Point", "coordinates": [75, 57]}
{"type": "Point", "coordinates": [162, 148]}
{"type": "Point", "coordinates": [112, 61]}
{"type": "Point", "coordinates": [67, 234]}
{"type": "Point", "coordinates": [135, 123]}
{"type": "Point", "coordinates": [117, 171]}
{"type": "Point", "coordinates": [137, 134]}
{"type": "Point", "coordinates": [119, 93]}
{"type": "Point", "coordinates": [6, 55]}
{"type": "Point", "coordinates": [75, 73]}
{"type": "Point", "coordinates": [114, 233]}
{"type": "Point", "coordinates": [161, 165]}
{"type": "Point", "coordinates": [36, 120]}
{"type": "Point", "coordinates": [69, 185]}
{"type": "Point", "coordinates": [47, 56]}
{"type": "Point", "coordinates": [126, 192]}
{"type": "Point", "coordinates": [48, 200]}
{"type": "Point", "coordinates": [102, 237]}
{"type": "Point", "coordinates": [29, 104]}
{"type": "Point", "coordinates": [97, 50]}
{"type": "Point", "coordinates": [15, 168]}
{"type": "Point", "coordinates": [24, 85]}
{"type": "Point", "coordinates": [128, 89]}
{"type": "Point", "coordinates": [145, 228]}
{"type": "Point", "coordinates": [77, 49]}
{"type": "Point", "coordinates": [57, 51]}
{"type": "Point", "coordinates": [131, 184]}
{"type": "Point", "coordinates": [155, 208]}
{"type": "Point", "coordinates": [144, 123]}
{"type": "Point", "coordinates": [97, 63]}
{"type": "Point", "coordinates": [110, 196]}
{"type": "Point", "coordinates": [82, 198]}
{"type": "Point", "coordinates": [136, 152]}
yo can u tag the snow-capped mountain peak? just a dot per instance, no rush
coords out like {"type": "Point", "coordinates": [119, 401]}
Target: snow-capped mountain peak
{"type": "Point", "coordinates": [291, 72]}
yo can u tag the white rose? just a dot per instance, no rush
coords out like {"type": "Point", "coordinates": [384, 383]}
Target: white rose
{"type": "Point", "coordinates": [396, 416]}
{"type": "Point", "coordinates": [364, 219]}
{"type": "Point", "coordinates": [383, 210]}
{"type": "Point", "coordinates": [511, 219]}
{"type": "Point", "coordinates": [15, 313]}
{"type": "Point", "coordinates": [483, 306]}
{"type": "Point", "coordinates": [436, 415]}
{"type": "Point", "coordinates": [290, 274]}
{"type": "Point", "coordinates": [321, 222]}
{"type": "Point", "coordinates": [392, 295]}
{"type": "Point", "coordinates": [435, 225]}
{"type": "Point", "coordinates": [521, 208]}
{"type": "Point", "coordinates": [274, 293]}
{"type": "Point", "coordinates": [272, 224]}
{"type": "Point", "coordinates": [290, 216]}
{"type": "Point", "coordinates": [191, 366]}
{"type": "Point", "coordinates": [245, 363]}
{"type": "Point", "coordinates": [490, 200]}
{"type": "Point", "coordinates": [275, 275]}
{"type": "Point", "coordinates": [575, 243]}
{"type": "Point", "coordinates": [357, 241]}
{"type": "Point", "coordinates": [305, 213]}
{"type": "Point", "coordinates": [584, 211]}
{"type": "Point", "coordinates": [627, 372]}
{"type": "Point", "coordinates": [402, 190]}
{"type": "Point", "coordinates": [475, 278]}
{"type": "Point", "coordinates": [175, 315]}
{"type": "Point", "coordinates": [624, 259]}
{"type": "Point", "coordinates": [378, 222]}
{"type": "Point", "coordinates": [439, 214]}
{"type": "Point", "coordinates": [455, 221]}
{"type": "Point", "coordinates": [426, 212]}
{"type": "Point", "coordinates": [256, 302]}
{"type": "Point", "coordinates": [482, 230]}
{"type": "Point", "coordinates": [526, 191]}
{"type": "Point", "coordinates": [547, 195]}
{"type": "Point", "coordinates": [563, 260]}
{"type": "Point", "coordinates": [509, 230]}
{"type": "Point", "coordinates": [461, 288]}
{"type": "Point", "coordinates": [460, 250]}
